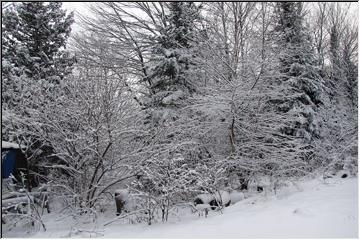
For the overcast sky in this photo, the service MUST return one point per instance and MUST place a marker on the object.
(78, 8)
(82, 8)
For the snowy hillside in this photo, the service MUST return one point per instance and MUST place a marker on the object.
(312, 209)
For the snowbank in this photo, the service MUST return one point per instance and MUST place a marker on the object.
(223, 197)
(310, 209)
(236, 196)
(206, 198)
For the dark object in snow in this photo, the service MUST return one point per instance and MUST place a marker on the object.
(198, 201)
(243, 184)
(119, 206)
(260, 189)
(121, 197)
(213, 201)
(343, 174)
(13, 162)
(215, 204)
(201, 200)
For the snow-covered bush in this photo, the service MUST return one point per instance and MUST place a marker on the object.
(204, 198)
(218, 199)
(259, 184)
(203, 209)
(177, 105)
(236, 196)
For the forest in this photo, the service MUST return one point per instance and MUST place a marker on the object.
(166, 102)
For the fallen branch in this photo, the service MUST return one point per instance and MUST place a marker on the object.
(6, 203)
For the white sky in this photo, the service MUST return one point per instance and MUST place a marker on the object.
(78, 8)
(82, 8)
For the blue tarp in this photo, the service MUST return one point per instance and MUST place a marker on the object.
(7, 163)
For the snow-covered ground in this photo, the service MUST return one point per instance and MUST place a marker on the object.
(312, 209)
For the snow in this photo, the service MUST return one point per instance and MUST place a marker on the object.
(5, 144)
(201, 207)
(343, 174)
(173, 97)
(122, 194)
(205, 197)
(223, 197)
(308, 209)
(236, 196)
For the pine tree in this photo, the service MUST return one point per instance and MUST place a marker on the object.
(172, 81)
(34, 59)
(174, 53)
(34, 38)
(300, 74)
(298, 84)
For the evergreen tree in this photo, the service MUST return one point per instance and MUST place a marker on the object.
(299, 73)
(173, 79)
(298, 85)
(174, 52)
(34, 59)
(34, 38)
(34, 63)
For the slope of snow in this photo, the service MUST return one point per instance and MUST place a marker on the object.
(318, 211)
(311, 209)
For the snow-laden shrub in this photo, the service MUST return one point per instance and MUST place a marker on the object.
(204, 198)
(259, 184)
(236, 196)
(223, 198)
(218, 199)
